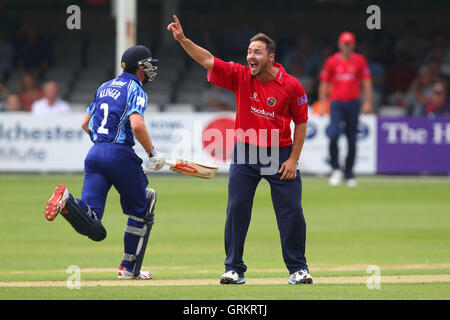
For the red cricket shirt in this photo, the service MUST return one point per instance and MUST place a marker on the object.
(345, 76)
(262, 107)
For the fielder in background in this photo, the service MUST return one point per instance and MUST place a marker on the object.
(267, 99)
(113, 120)
(341, 79)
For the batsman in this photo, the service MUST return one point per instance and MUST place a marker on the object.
(113, 120)
(267, 99)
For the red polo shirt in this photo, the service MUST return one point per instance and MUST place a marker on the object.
(262, 107)
(345, 76)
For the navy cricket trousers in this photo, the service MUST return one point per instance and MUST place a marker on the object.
(112, 164)
(286, 198)
(346, 112)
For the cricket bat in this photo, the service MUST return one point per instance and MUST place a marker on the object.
(192, 168)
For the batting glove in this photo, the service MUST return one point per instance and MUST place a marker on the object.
(156, 160)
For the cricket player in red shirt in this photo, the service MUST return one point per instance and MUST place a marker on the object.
(341, 77)
(267, 99)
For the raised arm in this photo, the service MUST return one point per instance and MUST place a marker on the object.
(199, 54)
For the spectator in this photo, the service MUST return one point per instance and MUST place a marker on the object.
(217, 98)
(420, 91)
(50, 103)
(30, 92)
(13, 103)
(439, 104)
(6, 57)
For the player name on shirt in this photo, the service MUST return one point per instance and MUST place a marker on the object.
(109, 92)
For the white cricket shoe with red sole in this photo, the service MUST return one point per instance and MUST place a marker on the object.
(56, 204)
(125, 274)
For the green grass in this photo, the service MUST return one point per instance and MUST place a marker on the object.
(385, 221)
(434, 291)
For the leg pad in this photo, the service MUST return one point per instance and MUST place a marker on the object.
(85, 223)
(149, 219)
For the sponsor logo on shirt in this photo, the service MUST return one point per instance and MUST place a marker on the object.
(117, 83)
(254, 97)
(302, 100)
(345, 77)
(262, 112)
(140, 101)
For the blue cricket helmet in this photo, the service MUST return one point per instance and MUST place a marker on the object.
(139, 56)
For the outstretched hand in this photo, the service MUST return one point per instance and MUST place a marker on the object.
(199, 54)
(176, 29)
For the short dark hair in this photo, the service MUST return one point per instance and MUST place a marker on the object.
(270, 44)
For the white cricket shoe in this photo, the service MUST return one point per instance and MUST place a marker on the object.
(300, 277)
(125, 274)
(231, 277)
(335, 178)
(352, 183)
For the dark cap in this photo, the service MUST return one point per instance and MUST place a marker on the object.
(133, 55)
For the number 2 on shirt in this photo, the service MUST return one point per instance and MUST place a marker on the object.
(102, 129)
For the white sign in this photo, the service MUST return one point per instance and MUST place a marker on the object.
(42, 143)
(315, 155)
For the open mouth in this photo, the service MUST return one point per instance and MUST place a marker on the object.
(253, 65)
